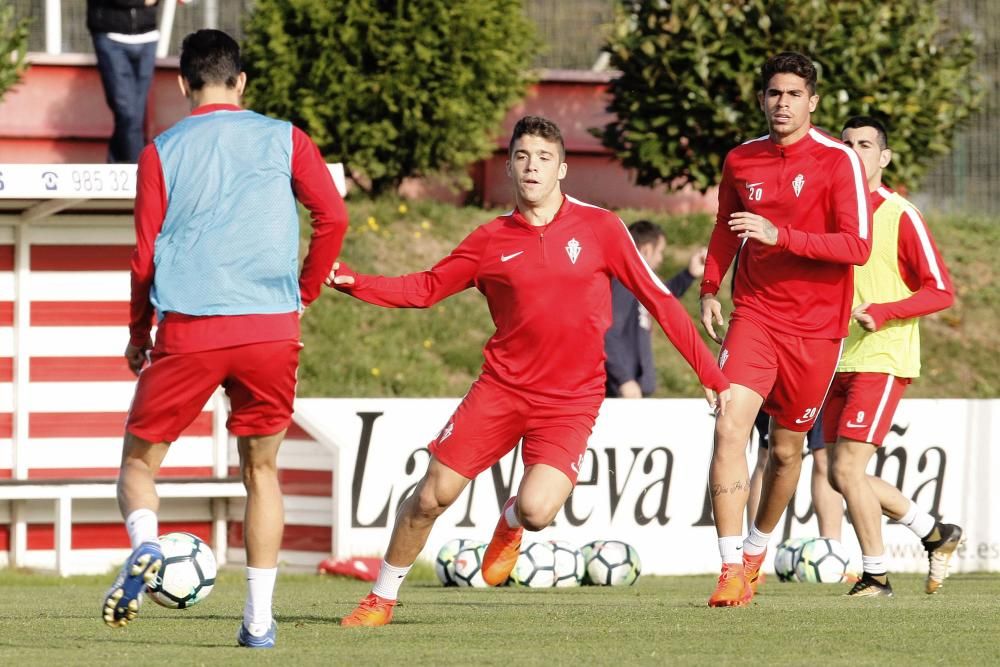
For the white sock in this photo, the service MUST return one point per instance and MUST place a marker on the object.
(756, 542)
(510, 516)
(390, 578)
(874, 565)
(917, 520)
(142, 526)
(731, 549)
(260, 589)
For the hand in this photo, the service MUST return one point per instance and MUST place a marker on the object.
(696, 265)
(333, 279)
(137, 356)
(711, 314)
(630, 389)
(752, 226)
(717, 401)
(866, 321)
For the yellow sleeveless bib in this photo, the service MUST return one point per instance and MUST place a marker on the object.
(895, 348)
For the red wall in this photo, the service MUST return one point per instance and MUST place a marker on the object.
(58, 114)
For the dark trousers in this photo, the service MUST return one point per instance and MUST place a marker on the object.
(126, 72)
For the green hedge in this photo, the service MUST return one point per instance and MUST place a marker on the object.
(390, 89)
(690, 75)
(13, 47)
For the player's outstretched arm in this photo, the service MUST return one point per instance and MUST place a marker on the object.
(452, 274)
(626, 264)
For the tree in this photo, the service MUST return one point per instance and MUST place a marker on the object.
(391, 88)
(13, 47)
(690, 72)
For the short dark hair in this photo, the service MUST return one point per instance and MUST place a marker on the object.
(537, 126)
(210, 57)
(869, 121)
(644, 231)
(789, 62)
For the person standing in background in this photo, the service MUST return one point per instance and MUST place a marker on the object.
(125, 35)
(628, 344)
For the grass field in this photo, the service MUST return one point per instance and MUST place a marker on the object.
(660, 620)
(354, 349)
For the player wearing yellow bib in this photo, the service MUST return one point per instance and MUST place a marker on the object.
(904, 279)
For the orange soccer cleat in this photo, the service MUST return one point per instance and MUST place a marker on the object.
(751, 572)
(732, 589)
(371, 612)
(502, 551)
(757, 586)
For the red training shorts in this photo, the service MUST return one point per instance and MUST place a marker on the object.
(860, 406)
(259, 380)
(792, 373)
(491, 419)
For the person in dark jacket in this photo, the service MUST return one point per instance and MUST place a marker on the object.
(628, 344)
(125, 35)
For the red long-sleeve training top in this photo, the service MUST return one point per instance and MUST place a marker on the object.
(549, 293)
(920, 265)
(176, 333)
(814, 191)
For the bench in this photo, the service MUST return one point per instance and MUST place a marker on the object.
(64, 491)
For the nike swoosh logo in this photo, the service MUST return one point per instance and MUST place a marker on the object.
(507, 258)
(802, 421)
(851, 424)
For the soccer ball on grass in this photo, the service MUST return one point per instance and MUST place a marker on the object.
(468, 566)
(568, 564)
(786, 556)
(187, 574)
(613, 563)
(535, 567)
(822, 560)
(444, 564)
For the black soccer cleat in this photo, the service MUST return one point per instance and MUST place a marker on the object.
(939, 553)
(870, 587)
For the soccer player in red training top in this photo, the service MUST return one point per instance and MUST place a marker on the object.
(217, 242)
(904, 279)
(794, 204)
(545, 269)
